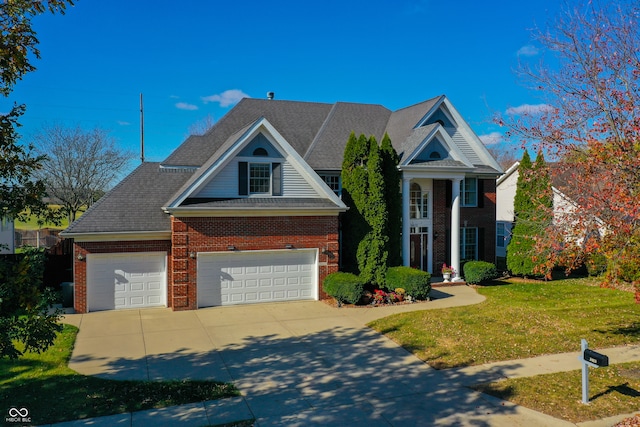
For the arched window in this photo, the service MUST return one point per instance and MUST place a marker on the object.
(260, 152)
(419, 206)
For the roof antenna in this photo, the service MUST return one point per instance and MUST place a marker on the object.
(141, 130)
(270, 95)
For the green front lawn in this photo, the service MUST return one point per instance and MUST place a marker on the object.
(52, 392)
(518, 320)
(612, 390)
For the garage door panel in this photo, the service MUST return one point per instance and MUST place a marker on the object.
(232, 278)
(127, 280)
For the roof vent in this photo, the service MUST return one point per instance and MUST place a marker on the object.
(270, 95)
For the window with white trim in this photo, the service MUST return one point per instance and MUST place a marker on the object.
(469, 243)
(469, 192)
(419, 202)
(259, 178)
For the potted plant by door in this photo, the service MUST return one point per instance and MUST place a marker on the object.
(447, 271)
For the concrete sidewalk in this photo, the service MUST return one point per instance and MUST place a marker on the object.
(301, 364)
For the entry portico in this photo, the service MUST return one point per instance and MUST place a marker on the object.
(417, 220)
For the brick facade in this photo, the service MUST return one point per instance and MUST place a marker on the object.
(482, 217)
(192, 235)
(82, 249)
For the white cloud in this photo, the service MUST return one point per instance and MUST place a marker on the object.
(123, 123)
(528, 50)
(529, 109)
(491, 138)
(186, 106)
(226, 98)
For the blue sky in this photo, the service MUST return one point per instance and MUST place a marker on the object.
(191, 59)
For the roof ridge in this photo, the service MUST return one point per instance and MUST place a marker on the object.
(320, 131)
(418, 103)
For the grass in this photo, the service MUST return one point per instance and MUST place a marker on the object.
(612, 390)
(32, 223)
(521, 320)
(52, 392)
(518, 320)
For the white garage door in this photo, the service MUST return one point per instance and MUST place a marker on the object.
(229, 278)
(126, 280)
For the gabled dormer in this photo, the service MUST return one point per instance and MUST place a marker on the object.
(432, 146)
(255, 168)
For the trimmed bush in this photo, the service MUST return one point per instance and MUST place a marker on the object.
(476, 272)
(344, 287)
(416, 283)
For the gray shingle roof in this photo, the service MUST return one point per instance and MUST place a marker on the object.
(317, 131)
(325, 152)
(134, 204)
(402, 122)
(298, 122)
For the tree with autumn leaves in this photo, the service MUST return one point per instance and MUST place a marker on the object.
(591, 125)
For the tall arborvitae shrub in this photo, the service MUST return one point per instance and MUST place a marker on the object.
(393, 199)
(532, 207)
(373, 249)
(354, 180)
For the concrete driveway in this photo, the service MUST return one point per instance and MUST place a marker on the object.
(296, 364)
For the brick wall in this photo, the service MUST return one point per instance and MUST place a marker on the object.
(193, 235)
(85, 248)
(483, 217)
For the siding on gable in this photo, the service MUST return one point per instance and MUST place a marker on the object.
(464, 146)
(294, 184)
(225, 183)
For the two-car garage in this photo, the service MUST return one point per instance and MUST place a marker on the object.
(137, 280)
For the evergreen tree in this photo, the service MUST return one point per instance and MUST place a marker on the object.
(532, 207)
(373, 249)
(354, 225)
(393, 199)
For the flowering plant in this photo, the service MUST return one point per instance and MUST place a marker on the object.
(447, 269)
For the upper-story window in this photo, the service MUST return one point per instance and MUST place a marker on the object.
(260, 152)
(469, 192)
(259, 178)
(333, 181)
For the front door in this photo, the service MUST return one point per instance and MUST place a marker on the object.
(419, 247)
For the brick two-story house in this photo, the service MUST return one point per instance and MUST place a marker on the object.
(250, 211)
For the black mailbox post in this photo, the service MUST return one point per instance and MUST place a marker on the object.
(593, 359)
(596, 358)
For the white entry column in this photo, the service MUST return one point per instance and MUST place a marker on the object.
(455, 227)
(406, 230)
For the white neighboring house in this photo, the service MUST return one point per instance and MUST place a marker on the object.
(564, 209)
(7, 235)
